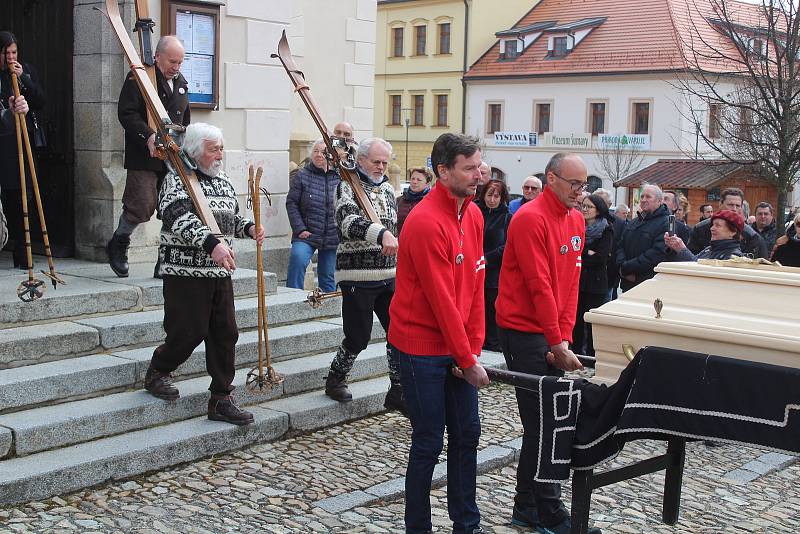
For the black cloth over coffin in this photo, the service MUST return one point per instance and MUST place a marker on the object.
(663, 393)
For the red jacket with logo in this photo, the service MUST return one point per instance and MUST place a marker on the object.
(437, 308)
(541, 269)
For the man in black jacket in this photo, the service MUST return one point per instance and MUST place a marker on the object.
(145, 171)
(752, 244)
(765, 225)
(641, 246)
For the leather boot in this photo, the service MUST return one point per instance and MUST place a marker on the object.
(117, 251)
(395, 400)
(160, 384)
(224, 408)
(336, 387)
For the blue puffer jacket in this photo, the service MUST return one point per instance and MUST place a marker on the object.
(310, 205)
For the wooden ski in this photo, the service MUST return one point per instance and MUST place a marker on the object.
(144, 27)
(175, 157)
(342, 159)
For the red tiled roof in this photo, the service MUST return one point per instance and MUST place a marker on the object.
(648, 35)
(683, 173)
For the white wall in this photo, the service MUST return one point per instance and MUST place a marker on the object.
(672, 136)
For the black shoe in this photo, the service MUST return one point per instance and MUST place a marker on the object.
(525, 516)
(160, 384)
(225, 409)
(157, 269)
(336, 387)
(395, 400)
(564, 528)
(117, 251)
(712, 444)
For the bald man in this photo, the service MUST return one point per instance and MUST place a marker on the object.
(145, 171)
(345, 130)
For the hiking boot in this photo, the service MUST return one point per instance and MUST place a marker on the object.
(525, 516)
(336, 387)
(117, 251)
(225, 409)
(395, 400)
(564, 528)
(160, 384)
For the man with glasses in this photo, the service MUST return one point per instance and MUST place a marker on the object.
(366, 259)
(641, 246)
(536, 305)
(531, 188)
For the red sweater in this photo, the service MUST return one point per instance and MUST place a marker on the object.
(541, 269)
(437, 308)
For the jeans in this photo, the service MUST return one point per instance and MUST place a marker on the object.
(299, 260)
(436, 399)
(526, 352)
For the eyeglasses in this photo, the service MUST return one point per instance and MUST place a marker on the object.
(575, 185)
(531, 187)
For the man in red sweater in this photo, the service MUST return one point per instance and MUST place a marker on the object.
(536, 305)
(436, 325)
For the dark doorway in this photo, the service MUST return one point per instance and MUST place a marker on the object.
(44, 31)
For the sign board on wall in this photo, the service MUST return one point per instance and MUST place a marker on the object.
(569, 141)
(638, 141)
(516, 139)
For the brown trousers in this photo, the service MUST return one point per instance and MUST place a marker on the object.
(140, 198)
(197, 310)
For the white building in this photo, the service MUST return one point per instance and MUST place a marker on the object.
(574, 76)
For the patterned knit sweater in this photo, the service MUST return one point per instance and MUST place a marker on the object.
(186, 243)
(358, 256)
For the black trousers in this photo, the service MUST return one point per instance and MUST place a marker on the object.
(582, 342)
(526, 353)
(491, 341)
(358, 304)
(197, 310)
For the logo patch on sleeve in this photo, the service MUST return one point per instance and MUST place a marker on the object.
(576, 243)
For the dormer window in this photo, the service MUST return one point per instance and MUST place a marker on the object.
(512, 49)
(757, 47)
(560, 46)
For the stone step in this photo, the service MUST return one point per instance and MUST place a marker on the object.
(66, 424)
(92, 289)
(285, 306)
(58, 471)
(95, 374)
(26, 345)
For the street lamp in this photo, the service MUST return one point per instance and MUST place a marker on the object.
(407, 122)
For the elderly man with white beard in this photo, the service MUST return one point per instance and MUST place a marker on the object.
(196, 266)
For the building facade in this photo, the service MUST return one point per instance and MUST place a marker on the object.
(596, 78)
(422, 50)
(263, 121)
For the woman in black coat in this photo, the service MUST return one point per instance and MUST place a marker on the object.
(493, 203)
(31, 89)
(593, 290)
(419, 185)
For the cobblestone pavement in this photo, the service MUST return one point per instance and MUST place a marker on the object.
(272, 488)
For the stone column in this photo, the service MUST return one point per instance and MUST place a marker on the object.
(99, 70)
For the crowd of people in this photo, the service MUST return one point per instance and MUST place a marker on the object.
(451, 267)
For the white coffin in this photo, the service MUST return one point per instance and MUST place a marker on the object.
(744, 312)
